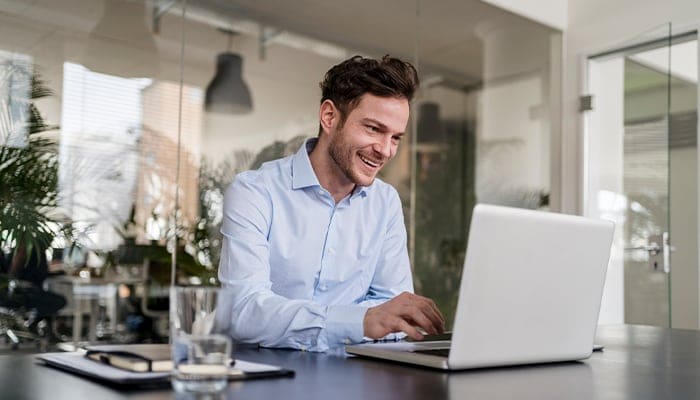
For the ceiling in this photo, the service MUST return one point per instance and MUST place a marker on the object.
(447, 31)
(446, 37)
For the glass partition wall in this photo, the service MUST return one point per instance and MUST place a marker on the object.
(138, 142)
(641, 171)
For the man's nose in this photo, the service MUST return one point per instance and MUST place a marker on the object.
(384, 147)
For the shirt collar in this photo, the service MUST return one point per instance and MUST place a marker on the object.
(360, 191)
(303, 174)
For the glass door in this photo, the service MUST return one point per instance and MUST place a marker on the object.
(640, 154)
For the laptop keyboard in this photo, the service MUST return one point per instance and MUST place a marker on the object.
(435, 352)
(433, 338)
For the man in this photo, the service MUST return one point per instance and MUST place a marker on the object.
(314, 252)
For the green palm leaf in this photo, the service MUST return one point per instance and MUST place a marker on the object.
(28, 164)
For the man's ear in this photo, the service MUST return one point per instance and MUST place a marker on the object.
(328, 116)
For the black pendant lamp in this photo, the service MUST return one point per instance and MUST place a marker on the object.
(227, 93)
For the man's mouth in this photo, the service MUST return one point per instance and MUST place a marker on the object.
(370, 163)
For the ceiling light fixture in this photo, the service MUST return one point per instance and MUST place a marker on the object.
(121, 43)
(227, 93)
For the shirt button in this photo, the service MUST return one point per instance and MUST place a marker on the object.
(331, 250)
(323, 288)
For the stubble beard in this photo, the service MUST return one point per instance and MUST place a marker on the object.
(342, 155)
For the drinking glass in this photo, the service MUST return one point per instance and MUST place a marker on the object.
(201, 357)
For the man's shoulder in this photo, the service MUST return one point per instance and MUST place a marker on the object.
(383, 196)
(383, 190)
(268, 172)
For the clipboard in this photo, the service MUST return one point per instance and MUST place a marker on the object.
(76, 363)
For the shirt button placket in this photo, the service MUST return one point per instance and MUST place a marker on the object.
(328, 252)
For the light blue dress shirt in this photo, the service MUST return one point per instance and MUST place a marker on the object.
(300, 271)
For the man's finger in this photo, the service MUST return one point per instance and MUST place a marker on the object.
(417, 317)
(436, 316)
(421, 314)
(408, 329)
(430, 310)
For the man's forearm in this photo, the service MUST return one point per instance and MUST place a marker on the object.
(257, 315)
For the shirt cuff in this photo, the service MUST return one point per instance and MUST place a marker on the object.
(345, 324)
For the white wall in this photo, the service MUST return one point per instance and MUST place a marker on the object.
(605, 182)
(513, 123)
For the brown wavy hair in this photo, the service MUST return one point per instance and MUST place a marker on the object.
(345, 83)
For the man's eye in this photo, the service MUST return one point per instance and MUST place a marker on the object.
(372, 128)
(396, 138)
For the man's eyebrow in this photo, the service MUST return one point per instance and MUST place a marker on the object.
(382, 127)
(375, 122)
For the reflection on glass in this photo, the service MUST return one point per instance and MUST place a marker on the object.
(553, 381)
(125, 100)
(29, 214)
(16, 73)
(641, 168)
(483, 137)
(101, 127)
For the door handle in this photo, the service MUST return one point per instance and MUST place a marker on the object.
(653, 249)
(659, 250)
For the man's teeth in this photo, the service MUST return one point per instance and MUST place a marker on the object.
(370, 163)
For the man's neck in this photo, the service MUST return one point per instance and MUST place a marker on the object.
(329, 175)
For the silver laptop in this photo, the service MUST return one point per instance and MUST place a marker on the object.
(530, 293)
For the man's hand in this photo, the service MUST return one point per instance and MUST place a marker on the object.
(404, 313)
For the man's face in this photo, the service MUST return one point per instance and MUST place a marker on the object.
(369, 137)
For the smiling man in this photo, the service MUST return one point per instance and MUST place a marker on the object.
(314, 252)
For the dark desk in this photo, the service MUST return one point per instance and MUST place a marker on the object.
(639, 362)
